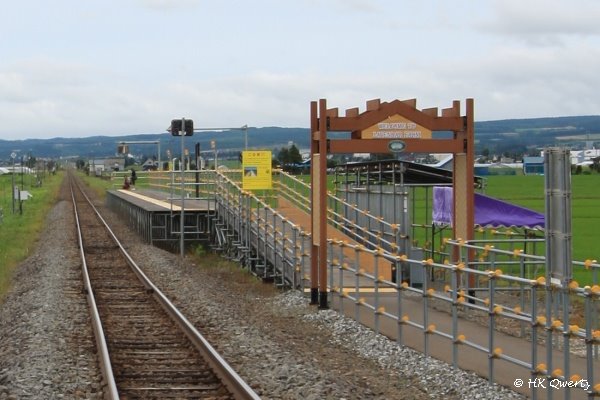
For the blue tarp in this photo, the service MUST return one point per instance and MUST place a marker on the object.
(489, 212)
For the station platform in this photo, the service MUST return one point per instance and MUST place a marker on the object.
(156, 215)
(157, 201)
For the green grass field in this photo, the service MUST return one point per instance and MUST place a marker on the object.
(19, 233)
(528, 191)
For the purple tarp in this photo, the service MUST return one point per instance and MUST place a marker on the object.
(489, 212)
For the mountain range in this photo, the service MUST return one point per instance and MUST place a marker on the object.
(515, 136)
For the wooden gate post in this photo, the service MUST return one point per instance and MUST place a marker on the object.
(373, 131)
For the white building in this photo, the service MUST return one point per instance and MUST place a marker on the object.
(584, 157)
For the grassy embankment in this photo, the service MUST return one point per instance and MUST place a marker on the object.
(20, 233)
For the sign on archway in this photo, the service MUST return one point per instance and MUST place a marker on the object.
(387, 128)
(395, 127)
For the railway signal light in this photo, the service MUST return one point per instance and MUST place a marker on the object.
(176, 127)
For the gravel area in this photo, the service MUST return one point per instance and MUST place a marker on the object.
(47, 350)
(283, 347)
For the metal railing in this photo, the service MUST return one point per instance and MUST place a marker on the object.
(505, 289)
(541, 310)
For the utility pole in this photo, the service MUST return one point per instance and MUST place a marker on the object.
(182, 127)
(13, 155)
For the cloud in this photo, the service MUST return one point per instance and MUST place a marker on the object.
(543, 22)
(48, 98)
(133, 80)
(164, 5)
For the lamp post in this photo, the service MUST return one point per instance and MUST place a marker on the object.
(245, 129)
(156, 142)
(182, 127)
(13, 155)
(181, 167)
(22, 185)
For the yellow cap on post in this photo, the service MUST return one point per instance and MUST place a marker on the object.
(540, 368)
(557, 372)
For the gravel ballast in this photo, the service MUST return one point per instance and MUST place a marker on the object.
(284, 348)
(47, 350)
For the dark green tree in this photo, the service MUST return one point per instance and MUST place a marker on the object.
(31, 162)
(284, 156)
(294, 155)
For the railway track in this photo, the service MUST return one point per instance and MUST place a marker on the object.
(147, 348)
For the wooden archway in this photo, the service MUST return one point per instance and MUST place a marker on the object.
(372, 131)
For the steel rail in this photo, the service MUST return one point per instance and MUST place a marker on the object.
(103, 356)
(236, 385)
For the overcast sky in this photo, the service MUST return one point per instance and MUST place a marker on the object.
(75, 68)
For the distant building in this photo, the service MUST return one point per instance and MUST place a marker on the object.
(100, 165)
(584, 157)
(533, 165)
(17, 169)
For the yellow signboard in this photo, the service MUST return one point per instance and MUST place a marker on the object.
(396, 127)
(256, 170)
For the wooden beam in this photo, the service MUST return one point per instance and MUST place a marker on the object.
(314, 148)
(432, 112)
(453, 111)
(378, 111)
(373, 105)
(363, 121)
(449, 112)
(410, 102)
(332, 112)
(348, 146)
(352, 112)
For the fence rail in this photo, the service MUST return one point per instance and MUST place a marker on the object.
(491, 279)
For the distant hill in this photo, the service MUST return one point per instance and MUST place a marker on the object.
(103, 146)
(511, 135)
(517, 135)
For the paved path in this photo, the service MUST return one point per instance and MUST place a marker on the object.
(366, 260)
